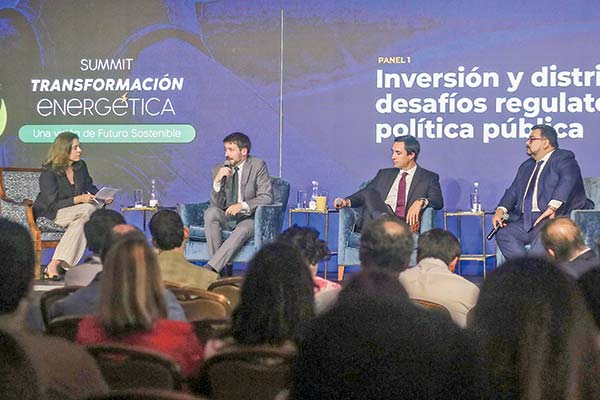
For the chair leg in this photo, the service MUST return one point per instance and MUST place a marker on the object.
(38, 263)
(229, 269)
(341, 272)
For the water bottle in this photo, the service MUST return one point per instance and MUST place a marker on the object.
(475, 199)
(313, 197)
(153, 202)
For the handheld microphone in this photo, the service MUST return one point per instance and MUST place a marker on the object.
(496, 228)
(227, 164)
(338, 202)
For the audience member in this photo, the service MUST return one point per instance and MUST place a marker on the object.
(64, 369)
(313, 250)
(169, 236)
(276, 300)
(96, 229)
(85, 301)
(133, 310)
(589, 283)
(433, 278)
(537, 339)
(563, 241)
(375, 344)
(18, 378)
(386, 244)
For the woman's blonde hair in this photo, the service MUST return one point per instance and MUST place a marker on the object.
(132, 295)
(58, 154)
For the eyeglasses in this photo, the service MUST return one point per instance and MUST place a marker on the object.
(531, 139)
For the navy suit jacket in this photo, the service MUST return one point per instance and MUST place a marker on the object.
(425, 185)
(560, 180)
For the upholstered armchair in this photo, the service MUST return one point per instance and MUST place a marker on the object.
(18, 188)
(588, 220)
(349, 240)
(268, 221)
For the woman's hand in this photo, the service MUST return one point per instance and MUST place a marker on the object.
(84, 199)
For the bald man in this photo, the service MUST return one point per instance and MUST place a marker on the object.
(563, 241)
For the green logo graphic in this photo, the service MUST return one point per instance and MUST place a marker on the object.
(3, 117)
(111, 133)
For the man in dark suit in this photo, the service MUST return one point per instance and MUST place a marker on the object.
(548, 184)
(239, 187)
(405, 190)
(563, 241)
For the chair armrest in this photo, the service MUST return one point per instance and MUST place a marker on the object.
(589, 223)
(268, 220)
(21, 213)
(428, 219)
(193, 213)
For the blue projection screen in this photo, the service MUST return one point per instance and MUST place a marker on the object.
(321, 87)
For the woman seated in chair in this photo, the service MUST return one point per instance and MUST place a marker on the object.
(276, 301)
(67, 198)
(537, 339)
(133, 309)
(313, 250)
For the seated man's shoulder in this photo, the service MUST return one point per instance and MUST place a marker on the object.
(428, 172)
(82, 301)
(563, 154)
(176, 268)
(467, 283)
(410, 274)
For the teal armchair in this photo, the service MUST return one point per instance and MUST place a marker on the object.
(268, 221)
(349, 240)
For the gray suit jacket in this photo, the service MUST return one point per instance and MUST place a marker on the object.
(256, 186)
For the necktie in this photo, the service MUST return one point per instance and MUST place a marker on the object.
(401, 200)
(528, 199)
(234, 185)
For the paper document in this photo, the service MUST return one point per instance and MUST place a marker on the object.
(106, 193)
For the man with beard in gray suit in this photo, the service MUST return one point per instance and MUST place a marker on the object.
(239, 186)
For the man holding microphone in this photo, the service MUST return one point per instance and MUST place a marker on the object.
(240, 184)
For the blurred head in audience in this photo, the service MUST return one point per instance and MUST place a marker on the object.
(116, 234)
(131, 298)
(589, 283)
(439, 244)
(562, 239)
(17, 263)
(276, 298)
(167, 230)
(306, 241)
(96, 229)
(18, 377)
(375, 344)
(386, 243)
(536, 336)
